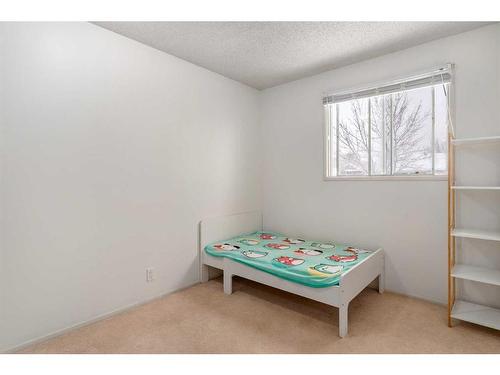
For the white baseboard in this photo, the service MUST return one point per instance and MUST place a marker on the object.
(62, 331)
(417, 296)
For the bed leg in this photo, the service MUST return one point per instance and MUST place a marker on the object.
(381, 277)
(204, 273)
(228, 283)
(343, 310)
(381, 282)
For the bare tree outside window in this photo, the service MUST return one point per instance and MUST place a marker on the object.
(353, 137)
(395, 134)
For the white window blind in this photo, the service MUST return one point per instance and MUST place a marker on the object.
(440, 75)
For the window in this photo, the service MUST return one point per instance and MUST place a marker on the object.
(399, 129)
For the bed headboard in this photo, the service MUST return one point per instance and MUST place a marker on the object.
(223, 227)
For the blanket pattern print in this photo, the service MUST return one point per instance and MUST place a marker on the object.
(311, 263)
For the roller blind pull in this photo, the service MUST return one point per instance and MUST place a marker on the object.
(431, 78)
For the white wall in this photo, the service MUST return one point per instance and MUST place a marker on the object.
(407, 218)
(111, 153)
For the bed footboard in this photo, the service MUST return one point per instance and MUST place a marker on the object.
(357, 279)
(361, 275)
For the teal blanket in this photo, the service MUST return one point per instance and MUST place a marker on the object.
(311, 263)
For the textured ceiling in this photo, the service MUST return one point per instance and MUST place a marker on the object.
(266, 54)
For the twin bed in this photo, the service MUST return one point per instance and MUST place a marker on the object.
(324, 271)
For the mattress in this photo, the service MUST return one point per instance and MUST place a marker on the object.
(312, 263)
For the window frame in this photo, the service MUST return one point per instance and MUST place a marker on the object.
(401, 177)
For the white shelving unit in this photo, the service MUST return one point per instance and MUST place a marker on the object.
(478, 314)
(476, 187)
(475, 141)
(459, 309)
(474, 273)
(477, 234)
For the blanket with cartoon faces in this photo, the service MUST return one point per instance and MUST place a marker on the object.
(311, 263)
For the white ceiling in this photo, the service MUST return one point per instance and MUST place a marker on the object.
(266, 54)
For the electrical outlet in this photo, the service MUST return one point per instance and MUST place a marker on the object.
(149, 275)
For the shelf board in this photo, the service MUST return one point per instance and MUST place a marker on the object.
(478, 234)
(475, 141)
(475, 187)
(473, 273)
(478, 314)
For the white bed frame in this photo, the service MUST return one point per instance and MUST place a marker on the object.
(351, 283)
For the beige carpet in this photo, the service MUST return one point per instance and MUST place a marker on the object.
(259, 319)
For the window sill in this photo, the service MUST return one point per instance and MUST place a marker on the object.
(388, 178)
